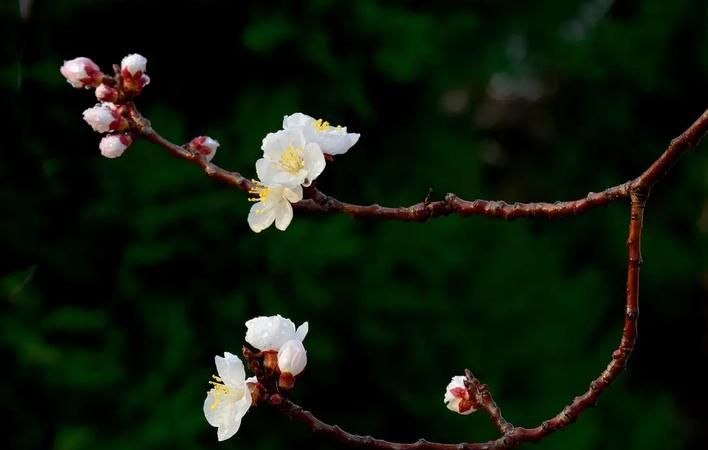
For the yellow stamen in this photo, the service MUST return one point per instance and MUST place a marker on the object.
(218, 390)
(260, 191)
(321, 125)
(291, 160)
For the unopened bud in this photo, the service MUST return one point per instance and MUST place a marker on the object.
(457, 397)
(292, 357)
(106, 93)
(132, 69)
(205, 146)
(113, 146)
(105, 117)
(81, 73)
(276, 399)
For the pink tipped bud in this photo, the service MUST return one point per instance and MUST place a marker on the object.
(133, 64)
(104, 118)
(457, 397)
(81, 73)
(112, 146)
(106, 93)
(205, 146)
(132, 69)
(292, 357)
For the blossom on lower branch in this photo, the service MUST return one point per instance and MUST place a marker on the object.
(229, 398)
(273, 204)
(270, 333)
(457, 396)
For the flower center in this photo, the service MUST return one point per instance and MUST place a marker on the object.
(220, 391)
(260, 192)
(291, 160)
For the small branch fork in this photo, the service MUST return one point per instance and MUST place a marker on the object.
(636, 191)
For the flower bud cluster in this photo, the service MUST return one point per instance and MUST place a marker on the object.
(110, 115)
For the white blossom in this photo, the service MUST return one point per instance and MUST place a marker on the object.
(292, 357)
(229, 398)
(457, 397)
(273, 204)
(289, 160)
(333, 140)
(81, 72)
(133, 64)
(269, 333)
(113, 146)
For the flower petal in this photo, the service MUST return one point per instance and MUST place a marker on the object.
(293, 195)
(297, 120)
(302, 331)
(283, 216)
(260, 218)
(230, 369)
(314, 162)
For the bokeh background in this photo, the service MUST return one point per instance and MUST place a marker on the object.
(121, 279)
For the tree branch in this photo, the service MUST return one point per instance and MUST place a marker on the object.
(513, 436)
(637, 190)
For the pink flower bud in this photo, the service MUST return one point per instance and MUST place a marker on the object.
(292, 357)
(106, 93)
(205, 146)
(113, 145)
(133, 64)
(457, 397)
(105, 117)
(81, 73)
(132, 69)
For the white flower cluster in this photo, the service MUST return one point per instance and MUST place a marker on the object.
(292, 159)
(230, 396)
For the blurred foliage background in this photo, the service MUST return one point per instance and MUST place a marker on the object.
(121, 279)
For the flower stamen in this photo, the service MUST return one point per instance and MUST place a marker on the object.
(218, 391)
(321, 125)
(260, 192)
(291, 160)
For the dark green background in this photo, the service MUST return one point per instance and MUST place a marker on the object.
(121, 279)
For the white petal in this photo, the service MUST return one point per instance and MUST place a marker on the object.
(297, 120)
(287, 179)
(260, 218)
(230, 369)
(213, 415)
(302, 331)
(293, 195)
(228, 429)
(272, 145)
(314, 162)
(266, 170)
(283, 216)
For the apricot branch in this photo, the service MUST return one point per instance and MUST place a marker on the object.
(293, 158)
